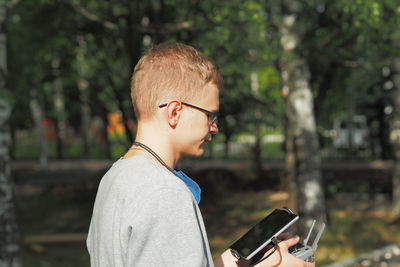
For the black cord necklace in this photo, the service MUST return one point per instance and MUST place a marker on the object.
(192, 185)
(154, 154)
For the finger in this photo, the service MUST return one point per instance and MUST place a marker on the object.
(290, 242)
(284, 236)
(309, 264)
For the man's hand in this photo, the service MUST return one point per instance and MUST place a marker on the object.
(281, 257)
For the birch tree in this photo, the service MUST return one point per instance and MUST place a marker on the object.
(303, 163)
(9, 239)
(37, 115)
(83, 86)
(59, 108)
(395, 129)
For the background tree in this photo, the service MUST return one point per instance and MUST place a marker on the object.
(9, 242)
(395, 133)
(302, 146)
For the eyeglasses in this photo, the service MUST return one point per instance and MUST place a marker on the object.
(212, 116)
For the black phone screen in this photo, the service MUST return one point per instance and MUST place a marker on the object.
(262, 233)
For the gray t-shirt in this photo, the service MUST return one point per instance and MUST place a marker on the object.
(146, 216)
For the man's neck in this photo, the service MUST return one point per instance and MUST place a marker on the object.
(150, 135)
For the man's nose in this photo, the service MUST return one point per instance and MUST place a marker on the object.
(214, 128)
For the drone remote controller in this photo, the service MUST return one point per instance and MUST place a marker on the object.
(306, 252)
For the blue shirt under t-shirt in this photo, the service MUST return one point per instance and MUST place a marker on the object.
(192, 185)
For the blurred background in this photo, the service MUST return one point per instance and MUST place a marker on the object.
(310, 118)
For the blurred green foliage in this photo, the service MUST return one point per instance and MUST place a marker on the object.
(348, 46)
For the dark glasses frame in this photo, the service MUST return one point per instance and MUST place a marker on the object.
(212, 116)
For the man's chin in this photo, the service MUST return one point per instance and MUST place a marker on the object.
(197, 153)
(200, 152)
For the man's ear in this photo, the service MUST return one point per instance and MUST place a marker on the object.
(173, 112)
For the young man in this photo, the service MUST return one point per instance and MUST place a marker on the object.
(146, 213)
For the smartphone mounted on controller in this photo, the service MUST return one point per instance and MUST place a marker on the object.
(254, 244)
(264, 235)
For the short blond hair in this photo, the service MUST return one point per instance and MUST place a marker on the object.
(170, 71)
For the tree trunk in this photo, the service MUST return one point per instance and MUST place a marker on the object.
(12, 145)
(9, 241)
(289, 180)
(85, 117)
(59, 109)
(350, 122)
(257, 149)
(303, 157)
(395, 135)
(37, 115)
(9, 237)
(383, 131)
(107, 142)
(83, 87)
(227, 140)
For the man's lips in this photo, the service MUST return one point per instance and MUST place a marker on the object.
(207, 140)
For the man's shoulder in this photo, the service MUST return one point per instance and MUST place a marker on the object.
(143, 174)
